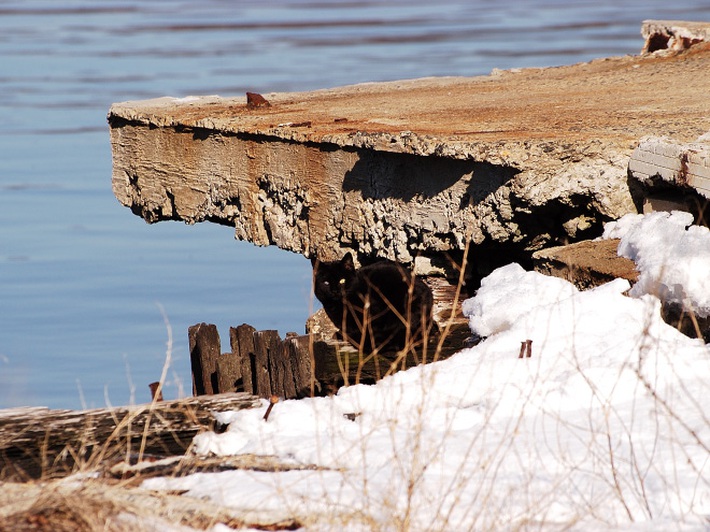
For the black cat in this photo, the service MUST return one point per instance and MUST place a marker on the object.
(381, 307)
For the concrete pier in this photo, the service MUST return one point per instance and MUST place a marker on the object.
(510, 162)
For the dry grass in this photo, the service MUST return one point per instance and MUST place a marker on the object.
(89, 505)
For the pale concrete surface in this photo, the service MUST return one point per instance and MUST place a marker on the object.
(511, 162)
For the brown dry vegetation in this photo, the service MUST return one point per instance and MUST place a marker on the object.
(98, 504)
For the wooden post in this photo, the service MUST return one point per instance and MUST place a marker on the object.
(281, 360)
(229, 373)
(269, 359)
(204, 352)
(298, 351)
(263, 364)
(242, 340)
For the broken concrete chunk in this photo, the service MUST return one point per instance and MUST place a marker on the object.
(676, 163)
(673, 34)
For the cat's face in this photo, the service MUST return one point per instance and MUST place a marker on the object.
(332, 279)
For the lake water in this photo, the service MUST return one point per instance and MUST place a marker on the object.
(88, 291)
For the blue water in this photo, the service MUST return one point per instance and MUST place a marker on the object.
(89, 293)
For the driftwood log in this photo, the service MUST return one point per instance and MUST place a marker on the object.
(44, 443)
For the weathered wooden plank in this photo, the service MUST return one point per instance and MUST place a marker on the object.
(229, 373)
(298, 350)
(38, 442)
(258, 363)
(269, 361)
(244, 351)
(315, 364)
(290, 370)
(204, 351)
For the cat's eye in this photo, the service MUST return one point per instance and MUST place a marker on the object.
(342, 281)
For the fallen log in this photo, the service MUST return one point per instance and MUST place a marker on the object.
(44, 443)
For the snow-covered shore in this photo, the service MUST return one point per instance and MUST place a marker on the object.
(603, 427)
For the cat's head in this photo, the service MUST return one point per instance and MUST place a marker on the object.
(332, 279)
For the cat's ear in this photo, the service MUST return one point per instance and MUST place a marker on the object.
(347, 262)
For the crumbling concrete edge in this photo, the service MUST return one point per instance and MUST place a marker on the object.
(673, 35)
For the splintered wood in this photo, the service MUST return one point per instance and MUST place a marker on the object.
(263, 364)
(259, 363)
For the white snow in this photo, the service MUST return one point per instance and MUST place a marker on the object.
(603, 427)
(672, 255)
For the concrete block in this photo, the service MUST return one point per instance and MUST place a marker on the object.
(673, 35)
(684, 164)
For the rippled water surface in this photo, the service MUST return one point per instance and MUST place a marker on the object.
(88, 291)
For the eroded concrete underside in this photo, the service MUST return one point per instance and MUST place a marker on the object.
(511, 162)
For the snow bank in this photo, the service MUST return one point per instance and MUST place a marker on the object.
(672, 256)
(604, 427)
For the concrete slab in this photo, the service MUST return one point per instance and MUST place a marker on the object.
(510, 162)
